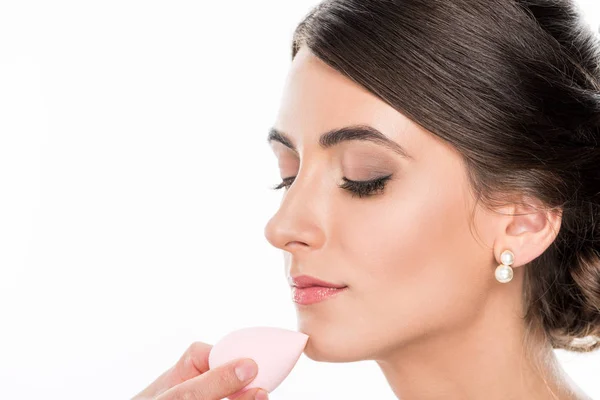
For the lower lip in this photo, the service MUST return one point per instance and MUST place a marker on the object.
(314, 294)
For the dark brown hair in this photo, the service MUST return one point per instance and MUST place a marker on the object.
(514, 86)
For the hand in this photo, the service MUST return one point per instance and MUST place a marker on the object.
(191, 379)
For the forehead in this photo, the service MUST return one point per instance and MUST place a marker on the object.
(317, 98)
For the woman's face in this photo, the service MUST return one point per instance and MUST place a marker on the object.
(412, 265)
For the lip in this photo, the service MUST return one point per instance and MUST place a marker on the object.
(314, 294)
(307, 289)
(307, 281)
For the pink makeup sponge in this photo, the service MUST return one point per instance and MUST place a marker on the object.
(275, 350)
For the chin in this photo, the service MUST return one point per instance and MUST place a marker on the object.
(337, 342)
(335, 346)
(327, 351)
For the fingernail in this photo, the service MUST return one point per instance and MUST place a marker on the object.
(261, 395)
(245, 370)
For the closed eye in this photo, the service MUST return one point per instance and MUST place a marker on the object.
(356, 188)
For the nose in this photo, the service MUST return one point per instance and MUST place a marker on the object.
(297, 224)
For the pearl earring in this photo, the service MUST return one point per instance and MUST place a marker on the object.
(504, 273)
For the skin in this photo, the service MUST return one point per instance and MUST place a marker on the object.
(191, 379)
(418, 259)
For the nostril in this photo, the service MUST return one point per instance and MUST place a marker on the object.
(295, 245)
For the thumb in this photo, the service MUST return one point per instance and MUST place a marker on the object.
(215, 384)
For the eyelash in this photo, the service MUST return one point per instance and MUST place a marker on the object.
(356, 188)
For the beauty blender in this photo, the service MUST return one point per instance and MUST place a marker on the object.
(274, 350)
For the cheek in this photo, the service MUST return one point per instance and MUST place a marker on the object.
(413, 257)
(406, 240)
(405, 259)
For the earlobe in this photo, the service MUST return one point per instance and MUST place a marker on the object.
(531, 228)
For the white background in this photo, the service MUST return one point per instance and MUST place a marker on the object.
(134, 190)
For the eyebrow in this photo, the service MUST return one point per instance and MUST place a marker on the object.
(347, 133)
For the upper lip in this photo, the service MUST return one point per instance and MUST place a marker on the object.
(302, 281)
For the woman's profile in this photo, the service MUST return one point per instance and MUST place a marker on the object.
(440, 165)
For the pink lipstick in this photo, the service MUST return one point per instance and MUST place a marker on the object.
(309, 290)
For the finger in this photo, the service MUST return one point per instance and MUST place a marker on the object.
(216, 383)
(253, 394)
(158, 386)
(193, 362)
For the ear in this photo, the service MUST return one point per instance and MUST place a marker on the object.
(527, 230)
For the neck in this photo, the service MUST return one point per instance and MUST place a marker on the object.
(491, 358)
